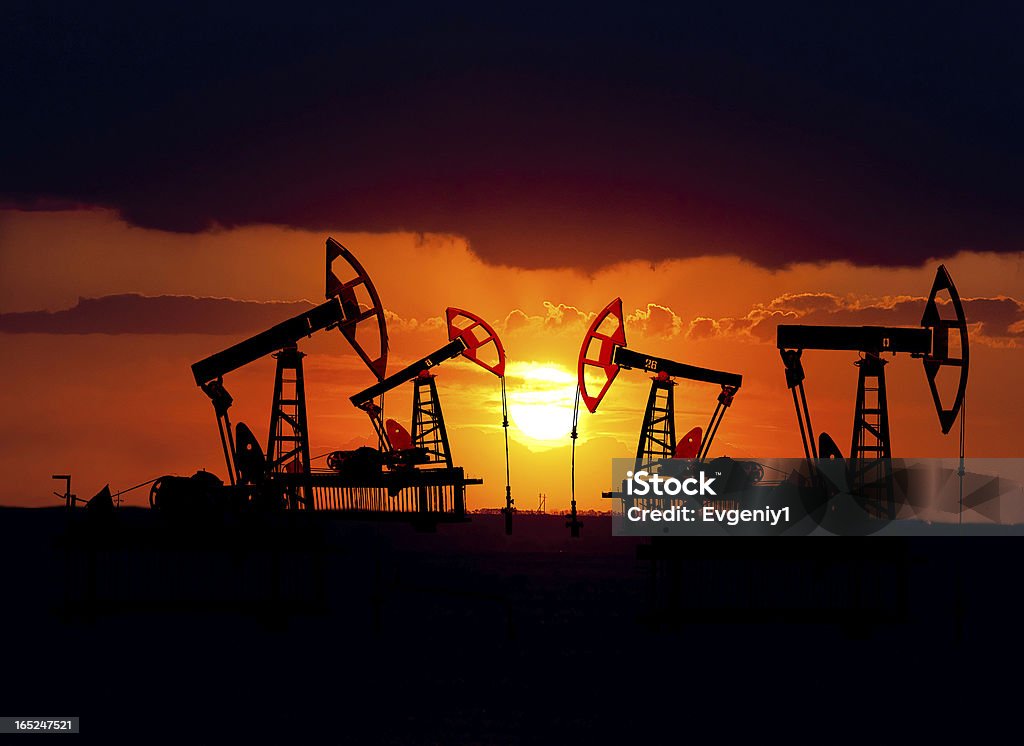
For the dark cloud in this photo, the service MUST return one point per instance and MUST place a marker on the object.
(999, 317)
(163, 314)
(548, 136)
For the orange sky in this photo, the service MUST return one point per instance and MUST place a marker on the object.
(124, 408)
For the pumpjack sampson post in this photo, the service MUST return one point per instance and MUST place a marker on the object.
(870, 465)
(604, 353)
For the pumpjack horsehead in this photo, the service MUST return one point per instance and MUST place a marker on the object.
(427, 444)
(604, 353)
(934, 342)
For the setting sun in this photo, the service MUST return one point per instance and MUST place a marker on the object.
(540, 402)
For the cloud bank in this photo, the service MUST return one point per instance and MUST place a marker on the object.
(165, 314)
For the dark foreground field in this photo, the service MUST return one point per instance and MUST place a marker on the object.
(298, 630)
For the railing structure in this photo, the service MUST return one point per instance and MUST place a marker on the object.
(438, 495)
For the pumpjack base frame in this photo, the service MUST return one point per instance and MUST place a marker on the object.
(420, 496)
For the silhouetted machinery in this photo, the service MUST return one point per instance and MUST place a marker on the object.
(870, 466)
(409, 477)
(426, 449)
(604, 353)
(101, 502)
(282, 475)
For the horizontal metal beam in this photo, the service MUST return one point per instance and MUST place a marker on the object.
(275, 338)
(874, 339)
(450, 350)
(627, 358)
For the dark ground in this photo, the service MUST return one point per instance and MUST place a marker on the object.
(320, 631)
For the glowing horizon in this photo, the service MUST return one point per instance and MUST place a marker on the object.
(121, 407)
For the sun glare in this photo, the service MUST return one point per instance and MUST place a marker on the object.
(540, 401)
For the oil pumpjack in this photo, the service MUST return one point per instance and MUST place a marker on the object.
(870, 465)
(426, 448)
(412, 477)
(282, 476)
(604, 353)
(366, 483)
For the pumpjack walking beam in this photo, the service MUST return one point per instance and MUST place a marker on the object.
(658, 434)
(449, 351)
